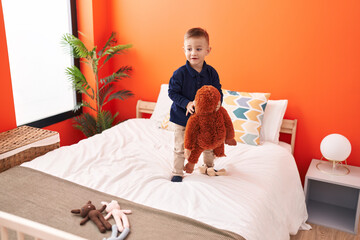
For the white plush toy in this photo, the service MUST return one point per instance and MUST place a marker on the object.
(121, 220)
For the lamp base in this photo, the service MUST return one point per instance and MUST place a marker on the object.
(333, 168)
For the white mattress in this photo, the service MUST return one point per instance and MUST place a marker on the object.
(260, 198)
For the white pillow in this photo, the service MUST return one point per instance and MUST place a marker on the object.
(273, 116)
(163, 104)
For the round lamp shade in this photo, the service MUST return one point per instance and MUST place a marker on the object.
(335, 147)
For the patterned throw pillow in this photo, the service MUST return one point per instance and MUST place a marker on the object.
(246, 111)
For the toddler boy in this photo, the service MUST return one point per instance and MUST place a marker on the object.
(183, 86)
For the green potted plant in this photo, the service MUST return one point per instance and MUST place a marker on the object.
(104, 90)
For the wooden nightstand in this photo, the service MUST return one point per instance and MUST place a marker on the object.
(333, 201)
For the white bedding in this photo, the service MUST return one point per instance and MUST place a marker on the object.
(261, 198)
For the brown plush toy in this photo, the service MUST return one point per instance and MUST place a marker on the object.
(89, 212)
(208, 128)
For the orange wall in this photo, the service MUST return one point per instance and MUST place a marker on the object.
(305, 51)
(7, 110)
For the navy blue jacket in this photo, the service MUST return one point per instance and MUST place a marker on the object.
(183, 86)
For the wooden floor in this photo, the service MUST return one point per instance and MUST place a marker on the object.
(323, 233)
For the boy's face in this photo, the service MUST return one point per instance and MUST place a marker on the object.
(196, 49)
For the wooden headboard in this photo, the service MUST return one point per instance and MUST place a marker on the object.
(288, 126)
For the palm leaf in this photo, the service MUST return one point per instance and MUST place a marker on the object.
(121, 95)
(105, 120)
(124, 69)
(84, 104)
(115, 50)
(104, 93)
(120, 73)
(94, 65)
(112, 79)
(77, 47)
(86, 123)
(109, 42)
(87, 104)
(79, 81)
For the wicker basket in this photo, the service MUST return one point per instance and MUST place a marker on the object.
(20, 137)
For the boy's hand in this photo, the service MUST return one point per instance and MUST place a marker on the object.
(190, 108)
(218, 106)
(187, 153)
(189, 167)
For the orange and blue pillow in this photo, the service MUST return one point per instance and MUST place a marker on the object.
(246, 111)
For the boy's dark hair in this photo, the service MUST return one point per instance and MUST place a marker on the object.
(197, 32)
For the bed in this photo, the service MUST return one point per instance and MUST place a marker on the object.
(260, 198)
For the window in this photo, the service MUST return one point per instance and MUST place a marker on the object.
(42, 93)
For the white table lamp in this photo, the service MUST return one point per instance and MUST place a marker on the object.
(335, 148)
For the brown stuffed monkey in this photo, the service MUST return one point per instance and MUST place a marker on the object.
(208, 128)
(89, 212)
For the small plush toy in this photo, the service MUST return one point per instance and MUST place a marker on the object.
(121, 220)
(208, 128)
(114, 232)
(89, 212)
(211, 171)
